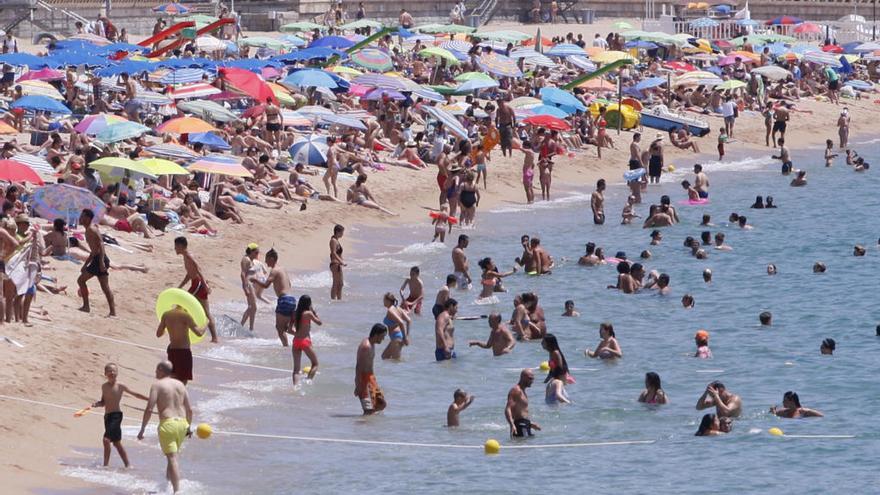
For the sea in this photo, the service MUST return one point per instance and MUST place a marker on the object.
(270, 438)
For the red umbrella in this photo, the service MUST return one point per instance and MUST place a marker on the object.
(808, 28)
(723, 44)
(13, 171)
(832, 49)
(248, 83)
(254, 111)
(544, 42)
(548, 122)
(679, 66)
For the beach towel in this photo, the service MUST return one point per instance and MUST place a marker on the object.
(23, 268)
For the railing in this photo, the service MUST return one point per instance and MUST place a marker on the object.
(18, 20)
(484, 11)
(842, 31)
(70, 15)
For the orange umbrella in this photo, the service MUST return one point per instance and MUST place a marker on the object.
(594, 50)
(7, 129)
(185, 125)
(744, 54)
(598, 85)
(544, 42)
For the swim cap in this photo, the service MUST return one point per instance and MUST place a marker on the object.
(702, 335)
(253, 246)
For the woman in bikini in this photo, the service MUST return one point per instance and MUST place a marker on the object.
(398, 323)
(528, 171)
(336, 262)
(557, 363)
(653, 393)
(608, 347)
(491, 278)
(247, 271)
(302, 341)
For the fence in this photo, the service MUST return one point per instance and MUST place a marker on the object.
(841, 31)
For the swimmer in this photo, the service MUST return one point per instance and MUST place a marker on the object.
(766, 318)
(759, 203)
(859, 250)
(656, 237)
(500, 339)
(653, 393)
(743, 223)
(413, 302)
(111, 400)
(556, 359)
(628, 212)
(443, 295)
(706, 237)
(706, 221)
(701, 254)
(597, 202)
(590, 258)
(768, 203)
(712, 425)
(726, 403)
(490, 279)
(625, 282)
(608, 347)
(827, 347)
(543, 261)
(398, 322)
(555, 391)
(645, 255)
(527, 259)
(702, 340)
(692, 193)
(444, 331)
(303, 318)
(719, 242)
(819, 267)
(830, 155)
(707, 276)
(771, 269)
(791, 408)
(663, 284)
(800, 180)
(517, 409)
(569, 309)
(687, 301)
(460, 401)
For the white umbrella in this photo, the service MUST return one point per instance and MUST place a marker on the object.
(772, 72)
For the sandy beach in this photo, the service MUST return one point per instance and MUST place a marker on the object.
(60, 365)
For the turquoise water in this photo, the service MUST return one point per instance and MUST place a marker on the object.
(820, 222)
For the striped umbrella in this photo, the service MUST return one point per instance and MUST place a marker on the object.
(456, 46)
(470, 76)
(209, 110)
(121, 131)
(565, 50)
(15, 171)
(344, 120)
(172, 150)
(582, 63)
(94, 124)
(475, 85)
(441, 53)
(197, 90)
(39, 165)
(373, 59)
(703, 22)
(293, 118)
(823, 58)
(40, 88)
(220, 165)
(380, 81)
(448, 120)
(66, 202)
(499, 65)
(171, 8)
(310, 151)
(310, 78)
(182, 76)
(152, 98)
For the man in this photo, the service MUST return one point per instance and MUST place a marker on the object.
(175, 416)
(701, 181)
(542, 261)
(726, 404)
(635, 152)
(286, 305)
(729, 111)
(460, 263)
(833, 84)
(96, 265)
(132, 106)
(198, 286)
(444, 330)
(500, 340)
(179, 322)
(597, 202)
(785, 157)
(365, 387)
(405, 19)
(8, 244)
(599, 41)
(10, 44)
(517, 409)
(780, 123)
(506, 123)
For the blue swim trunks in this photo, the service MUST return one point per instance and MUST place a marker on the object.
(286, 305)
(440, 354)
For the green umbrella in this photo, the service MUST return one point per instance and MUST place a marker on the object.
(505, 36)
(443, 90)
(264, 42)
(471, 76)
(296, 27)
(622, 25)
(436, 51)
(731, 84)
(201, 20)
(208, 110)
(373, 59)
(360, 24)
(443, 29)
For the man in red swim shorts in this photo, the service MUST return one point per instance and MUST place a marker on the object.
(365, 386)
(198, 286)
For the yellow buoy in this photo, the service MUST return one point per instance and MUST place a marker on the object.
(203, 431)
(776, 432)
(492, 446)
(670, 168)
(307, 369)
(545, 366)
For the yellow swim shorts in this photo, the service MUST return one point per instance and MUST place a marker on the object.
(172, 432)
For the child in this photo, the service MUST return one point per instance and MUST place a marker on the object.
(416, 292)
(111, 397)
(722, 139)
(693, 194)
(627, 212)
(442, 223)
(702, 340)
(302, 341)
(460, 401)
(443, 294)
(829, 152)
(569, 309)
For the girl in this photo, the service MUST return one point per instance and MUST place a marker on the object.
(791, 408)
(702, 341)
(608, 347)
(653, 393)
(557, 360)
(555, 392)
(442, 223)
(491, 278)
(398, 323)
(248, 270)
(692, 193)
(336, 262)
(830, 155)
(302, 341)
(545, 168)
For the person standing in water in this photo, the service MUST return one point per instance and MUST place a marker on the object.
(336, 262)
(500, 340)
(701, 181)
(460, 263)
(653, 393)
(443, 295)
(366, 389)
(460, 401)
(302, 340)
(179, 324)
(517, 409)
(198, 285)
(413, 302)
(247, 270)
(726, 404)
(444, 331)
(791, 408)
(286, 305)
(597, 203)
(398, 324)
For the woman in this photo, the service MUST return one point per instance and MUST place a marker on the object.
(358, 194)
(608, 347)
(556, 361)
(247, 271)
(712, 425)
(655, 162)
(653, 393)
(336, 262)
(302, 340)
(791, 408)
(528, 172)
(759, 203)
(490, 279)
(520, 322)
(555, 391)
(469, 197)
(398, 323)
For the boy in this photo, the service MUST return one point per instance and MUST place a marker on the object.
(416, 292)
(722, 139)
(569, 309)
(443, 294)
(460, 401)
(111, 396)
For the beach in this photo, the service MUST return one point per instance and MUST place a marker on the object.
(60, 364)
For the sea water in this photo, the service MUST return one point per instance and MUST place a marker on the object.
(820, 222)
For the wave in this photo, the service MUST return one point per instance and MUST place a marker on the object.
(562, 202)
(313, 280)
(211, 409)
(128, 482)
(742, 165)
(418, 248)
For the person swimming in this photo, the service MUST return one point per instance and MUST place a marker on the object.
(608, 347)
(653, 393)
(701, 338)
(712, 425)
(791, 408)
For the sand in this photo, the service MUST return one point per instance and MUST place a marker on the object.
(61, 366)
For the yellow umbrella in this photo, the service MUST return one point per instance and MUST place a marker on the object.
(611, 56)
(159, 166)
(283, 95)
(341, 69)
(111, 163)
(39, 88)
(7, 129)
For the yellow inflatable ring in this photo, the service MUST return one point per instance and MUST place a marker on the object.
(169, 298)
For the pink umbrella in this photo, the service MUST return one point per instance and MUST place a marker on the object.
(808, 28)
(731, 59)
(45, 74)
(270, 73)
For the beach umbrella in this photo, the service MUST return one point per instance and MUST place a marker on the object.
(121, 131)
(341, 69)
(110, 164)
(427, 93)
(66, 202)
(42, 75)
(220, 165)
(785, 20)
(113, 48)
(182, 76)
(310, 78)
(823, 58)
(209, 43)
(373, 59)
(380, 81)
(361, 24)
(703, 22)
(294, 40)
(503, 36)
(94, 124)
(172, 150)
(152, 98)
(15, 171)
(7, 129)
(598, 84)
(448, 120)
(40, 103)
(456, 46)
(295, 119)
(380, 93)
(437, 52)
(548, 110)
(611, 56)
(524, 102)
(298, 27)
(772, 72)
(158, 166)
(582, 63)
(336, 42)
(565, 50)
(548, 122)
(23, 60)
(808, 28)
(651, 82)
(344, 121)
(731, 84)
(185, 125)
(91, 38)
(171, 8)
(209, 110)
(265, 42)
(640, 45)
(471, 76)
(499, 65)
(868, 47)
(196, 90)
(832, 49)
(40, 88)
(283, 94)
(622, 25)
(461, 109)
(443, 29)
(247, 83)
(312, 150)
(475, 85)
(561, 98)
(38, 164)
(856, 83)
(747, 22)
(313, 111)
(210, 140)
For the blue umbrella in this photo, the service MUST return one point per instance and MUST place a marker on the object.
(77, 45)
(294, 40)
(251, 64)
(565, 50)
(67, 58)
(121, 131)
(310, 151)
(703, 22)
(651, 82)
(40, 103)
(561, 98)
(123, 47)
(549, 110)
(210, 140)
(310, 78)
(182, 76)
(714, 69)
(180, 63)
(336, 42)
(127, 66)
(476, 85)
(310, 54)
(643, 45)
(23, 59)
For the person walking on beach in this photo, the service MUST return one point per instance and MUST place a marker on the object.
(175, 416)
(286, 304)
(780, 123)
(111, 399)
(96, 265)
(336, 262)
(506, 118)
(460, 263)
(597, 203)
(198, 286)
(179, 323)
(517, 410)
(655, 162)
(365, 386)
